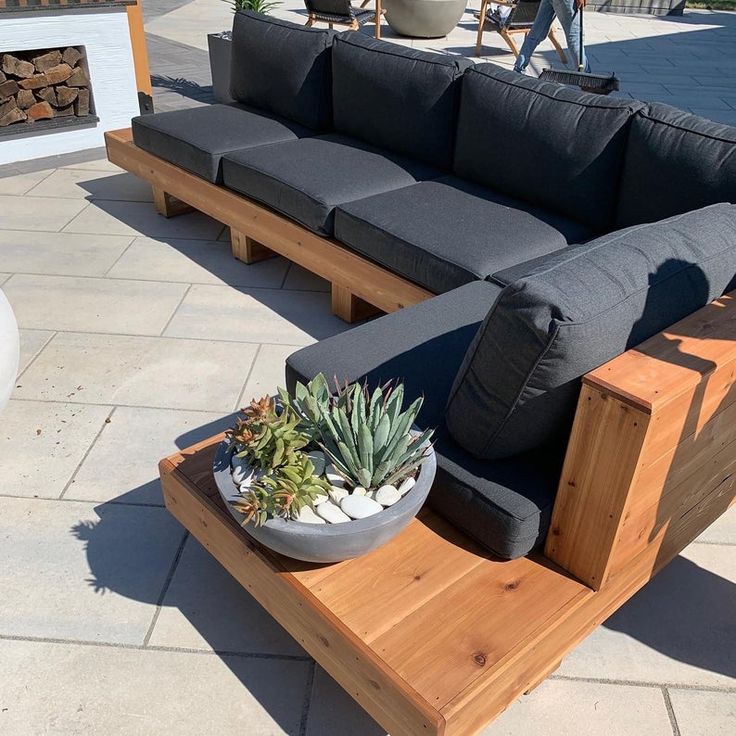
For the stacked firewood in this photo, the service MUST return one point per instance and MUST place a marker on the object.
(40, 85)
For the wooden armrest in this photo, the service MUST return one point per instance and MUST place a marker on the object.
(652, 455)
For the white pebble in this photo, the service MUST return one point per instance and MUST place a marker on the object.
(387, 495)
(407, 485)
(359, 507)
(241, 470)
(318, 460)
(359, 491)
(333, 477)
(307, 516)
(329, 512)
(320, 498)
(337, 494)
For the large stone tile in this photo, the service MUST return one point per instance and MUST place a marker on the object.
(205, 608)
(79, 184)
(92, 304)
(700, 713)
(679, 629)
(257, 315)
(21, 183)
(51, 688)
(195, 262)
(76, 571)
(267, 373)
(723, 531)
(332, 712)
(559, 708)
(140, 371)
(300, 279)
(98, 165)
(4, 277)
(123, 463)
(60, 254)
(140, 218)
(32, 343)
(37, 213)
(42, 444)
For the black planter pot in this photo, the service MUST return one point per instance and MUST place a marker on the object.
(219, 47)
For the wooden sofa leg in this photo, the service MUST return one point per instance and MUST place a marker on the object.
(167, 205)
(349, 307)
(248, 250)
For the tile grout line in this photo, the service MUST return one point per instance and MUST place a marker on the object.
(239, 400)
(176, 309)
(117, 260)
(165, 588)
(38, 183)
(67, 499)
(644, 683)
(308, 695)
(105, 422)
(71, 220)
(120, 406)
(670, 711)
(154, 648)
(34, 358)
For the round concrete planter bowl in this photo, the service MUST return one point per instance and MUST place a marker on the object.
(328, 542)
(424, 18)
(9, 350)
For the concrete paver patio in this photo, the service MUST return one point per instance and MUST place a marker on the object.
(141, 335)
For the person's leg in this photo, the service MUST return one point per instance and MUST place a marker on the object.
(569, 16)
(539, 31)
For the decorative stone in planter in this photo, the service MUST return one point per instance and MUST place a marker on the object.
(219, 45)
(272, 470)
(328, 542)
(9, 350)
(423, 18)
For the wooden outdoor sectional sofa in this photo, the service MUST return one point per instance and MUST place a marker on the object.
(561, 300)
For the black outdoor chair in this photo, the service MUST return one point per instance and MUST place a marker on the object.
(519, 20)
(342, 12)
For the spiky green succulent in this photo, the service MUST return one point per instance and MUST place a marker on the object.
(282, 493)
(267, 437)
(367, 436)
(310, 403)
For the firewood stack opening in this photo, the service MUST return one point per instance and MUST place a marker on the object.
(42, 85)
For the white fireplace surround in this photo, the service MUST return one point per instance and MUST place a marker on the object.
(105, 35)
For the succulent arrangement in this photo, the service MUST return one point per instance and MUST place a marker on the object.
(320, 456)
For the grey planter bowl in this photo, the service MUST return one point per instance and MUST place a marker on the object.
(328, 542)
(424, 18)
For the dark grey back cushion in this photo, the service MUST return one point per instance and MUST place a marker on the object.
(396, 98)
(675, 162)
(282, 68)
(520, 379)
(550, 145)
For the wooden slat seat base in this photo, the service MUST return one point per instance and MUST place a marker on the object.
(429, 634)
(257, 232)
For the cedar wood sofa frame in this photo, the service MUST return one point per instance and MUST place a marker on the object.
(430, 634)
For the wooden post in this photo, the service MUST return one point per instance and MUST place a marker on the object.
(167, 205)
(349, 307)
(246, 249)
(140, 56)
(652, 455)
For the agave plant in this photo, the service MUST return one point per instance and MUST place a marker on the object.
(368, 437)
(258, 6)
(282, 493)
(268, 438)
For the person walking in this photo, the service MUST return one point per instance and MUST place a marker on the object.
(568, 13)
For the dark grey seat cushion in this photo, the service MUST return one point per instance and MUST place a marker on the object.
(306, 179)
(505, 505)
(447, 232)
(520, 379)
(675, 162)
(396, 98)
(196, 139)
(553, 146)
(282, 67)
